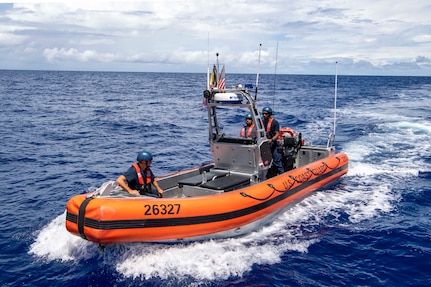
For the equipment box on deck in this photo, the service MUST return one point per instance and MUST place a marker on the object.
(308, 154)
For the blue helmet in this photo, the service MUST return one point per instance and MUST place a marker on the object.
(267, 110)
(248, 116)
(144, 156)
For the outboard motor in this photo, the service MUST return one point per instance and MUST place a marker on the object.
(289, 142)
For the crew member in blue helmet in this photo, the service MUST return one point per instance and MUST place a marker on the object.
(249, 130)
(272, 129)
(139, 178)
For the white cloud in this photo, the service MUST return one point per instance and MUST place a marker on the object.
(422, 38)
(9, 39)
(55, 54)
(371, 37)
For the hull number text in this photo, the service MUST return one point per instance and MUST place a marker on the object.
(163, 209)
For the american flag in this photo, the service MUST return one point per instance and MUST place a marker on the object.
(221, 81)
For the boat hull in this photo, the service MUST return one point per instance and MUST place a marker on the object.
(107, 220)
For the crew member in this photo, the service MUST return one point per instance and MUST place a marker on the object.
(249, 130)
(139, 178)
(272, 129)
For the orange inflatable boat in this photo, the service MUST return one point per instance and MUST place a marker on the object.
(237, 193)
(111, 215)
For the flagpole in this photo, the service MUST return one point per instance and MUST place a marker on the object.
(217, 70)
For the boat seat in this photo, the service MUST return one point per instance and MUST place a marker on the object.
(198, 179)
(228, 182)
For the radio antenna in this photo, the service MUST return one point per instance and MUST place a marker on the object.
(257, 76)
(332, 136)
(208, 63)
(275, 77)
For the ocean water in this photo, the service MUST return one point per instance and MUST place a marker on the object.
(65, 133)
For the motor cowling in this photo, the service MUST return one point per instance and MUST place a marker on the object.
(289, 142)
(288, 138)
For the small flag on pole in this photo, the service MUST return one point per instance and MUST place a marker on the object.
(213, 79)
(222, 81)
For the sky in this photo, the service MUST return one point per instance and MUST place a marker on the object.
(366, 37)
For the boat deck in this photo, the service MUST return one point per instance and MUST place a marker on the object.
(209, 180)
(197, 182)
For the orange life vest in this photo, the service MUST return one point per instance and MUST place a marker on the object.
(249, 131)
(148, 178)
(268, 125)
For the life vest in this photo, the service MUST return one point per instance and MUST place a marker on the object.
(249, 131)
(268, 125)
(143, 180)
(268, 128)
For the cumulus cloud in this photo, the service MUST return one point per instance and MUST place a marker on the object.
(423, 60)
(72, 54)
(422, 38)
(10, 39)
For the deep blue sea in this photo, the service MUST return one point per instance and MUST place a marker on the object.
(65, 133)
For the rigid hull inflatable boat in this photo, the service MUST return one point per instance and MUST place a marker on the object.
(235, 194)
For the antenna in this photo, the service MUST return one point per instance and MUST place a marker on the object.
(335, 96)
(332, 136)
(208, 63)
(275, 77)
(257, 76)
